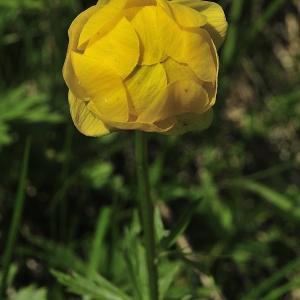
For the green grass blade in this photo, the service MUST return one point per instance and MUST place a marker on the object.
(167, 279)
(179, 227)
(269, 283)
(279, 292)
(230, 45)
(16, 218)
(282, 202)
(101, 229)
(270, 11)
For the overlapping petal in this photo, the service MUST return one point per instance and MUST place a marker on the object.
(151, 45)
(216, 20)
(187, 16)
(161, 126)
(146, 85)
(199, 53)
(192, 122)
(119, 47)
(105, 88)
(74, 32)
(102, 20)
(177, 71)
(185, 96)
(85, 121)
(139, 3)
(171, 34)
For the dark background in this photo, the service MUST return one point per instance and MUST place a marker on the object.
(240, 178)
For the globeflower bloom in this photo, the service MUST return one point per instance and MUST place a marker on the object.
(150, 65)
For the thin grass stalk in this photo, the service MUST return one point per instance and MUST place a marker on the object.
(16, 220)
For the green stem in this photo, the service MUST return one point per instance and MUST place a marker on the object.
(16, 220)
(146, 209)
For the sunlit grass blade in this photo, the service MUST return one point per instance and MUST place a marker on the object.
(16, 218)
(98, 290)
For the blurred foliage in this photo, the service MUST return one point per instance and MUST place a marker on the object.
(229, 197)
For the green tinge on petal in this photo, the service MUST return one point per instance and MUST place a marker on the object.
(192, 122)
(160, 127)
(84, 120)
(184, 96)
(119, 48)
(216, 20)
(136, 3)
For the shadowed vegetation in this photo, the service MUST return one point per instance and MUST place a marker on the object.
(228, 198)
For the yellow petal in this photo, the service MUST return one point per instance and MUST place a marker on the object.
(74, 32)
(170, 33)
(145, 87)
(119, 48)
(135, 3)
(102, 20)
(186, 16)
(165, 5)
(185, 96)
(147, 27)
(160, 40)
(192, 122)
(103, 86)
(85, 121)
(176, 71)
(216, 20)
(200, 54)
(130, 13)
(148, 127)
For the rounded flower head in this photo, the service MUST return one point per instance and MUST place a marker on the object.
(149, 65)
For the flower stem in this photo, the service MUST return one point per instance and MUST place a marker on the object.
(146, 210)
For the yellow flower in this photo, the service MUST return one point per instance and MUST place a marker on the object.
(150, 65)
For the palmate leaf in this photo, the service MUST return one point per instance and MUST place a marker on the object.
(97, 288)
(24, 104)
